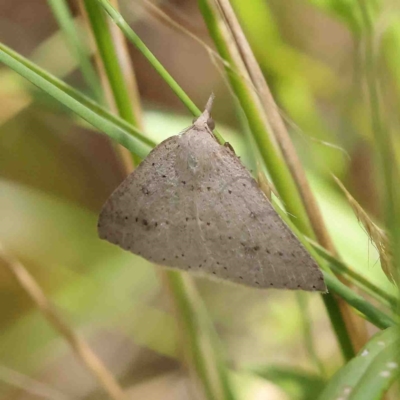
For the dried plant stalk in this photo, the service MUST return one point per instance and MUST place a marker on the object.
(82, 350)
(277, 126)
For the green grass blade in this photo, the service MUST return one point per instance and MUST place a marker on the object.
(136, 41)
(339, 267)
(364, 371)
(338, 325)
(379, 376)
(269, 152)
(201, 340)
(109, 56)
(100, 118)
(65, 20)
(371, 313)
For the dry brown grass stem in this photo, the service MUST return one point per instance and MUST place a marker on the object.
(278, 127)
(82, 350)
(121, 47)
(355, 325)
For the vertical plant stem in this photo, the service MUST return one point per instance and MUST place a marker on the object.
(273, 159)
(138, 43)
(106, 48)
(302, 300)
(77, 45)
(278, 128)
(201, 344)
(117, 68)
(260, 128)
(338, 325)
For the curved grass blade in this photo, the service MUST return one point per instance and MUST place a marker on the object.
(369, 373)
(137, 42)
(339, 267)
(111, 125)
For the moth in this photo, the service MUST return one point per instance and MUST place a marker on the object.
(192, 205)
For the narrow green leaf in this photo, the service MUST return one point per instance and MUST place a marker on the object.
(109, 56)
(341, 268)
(202, 343)
(249, 102)
(371, 313)
(369, 373)
(136, 41)
(111, 125)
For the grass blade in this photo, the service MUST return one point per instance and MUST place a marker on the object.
(135, 40)
(204, 350)
(112, 126)
(371, 313)
(339, 267)
(65, 20)
(362, 376)
(111, 62)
